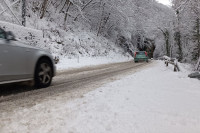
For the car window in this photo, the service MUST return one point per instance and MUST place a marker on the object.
(141, 53)
(2, 34)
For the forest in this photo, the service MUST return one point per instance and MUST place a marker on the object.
(131, 24)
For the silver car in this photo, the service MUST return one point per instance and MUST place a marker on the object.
(20, 62)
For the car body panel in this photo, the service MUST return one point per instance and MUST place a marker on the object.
(13, 61)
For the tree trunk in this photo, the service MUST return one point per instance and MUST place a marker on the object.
(83, 9)
(178, 39)
(198, 36)
(66, 2)
(12, 12)
(24, 12)
(59, 5)
(43, 9)
(167, 43)
(101, 21)
(66, 14)
(178, 42)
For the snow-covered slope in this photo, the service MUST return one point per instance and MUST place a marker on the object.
(74, 48)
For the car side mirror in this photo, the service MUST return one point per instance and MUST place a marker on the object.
(10, 36)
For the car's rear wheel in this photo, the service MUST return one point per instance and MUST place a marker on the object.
(43, 74)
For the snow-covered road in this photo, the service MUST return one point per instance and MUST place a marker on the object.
(152, 100)
(70, 79)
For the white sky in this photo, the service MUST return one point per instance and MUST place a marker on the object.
(165, 2)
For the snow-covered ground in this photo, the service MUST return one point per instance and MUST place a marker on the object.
(65, 63)
(154, 100)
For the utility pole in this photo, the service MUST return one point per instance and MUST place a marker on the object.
(24, 13)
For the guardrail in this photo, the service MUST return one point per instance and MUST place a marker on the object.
(171, 61)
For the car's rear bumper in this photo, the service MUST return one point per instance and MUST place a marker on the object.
(140, 59)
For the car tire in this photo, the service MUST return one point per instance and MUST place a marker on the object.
(43, 74)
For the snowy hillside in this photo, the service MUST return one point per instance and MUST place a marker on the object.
(70, 47)
(88, 28)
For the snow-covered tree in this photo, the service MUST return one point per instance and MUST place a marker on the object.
(143, 24)
(188, 27)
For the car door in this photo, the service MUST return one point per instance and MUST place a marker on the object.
(13, 61)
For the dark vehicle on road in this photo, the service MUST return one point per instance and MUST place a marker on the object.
(141, 56)
(20, 62)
